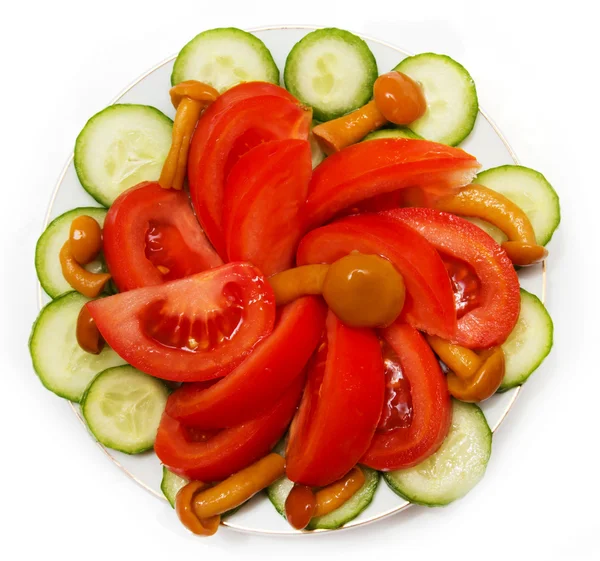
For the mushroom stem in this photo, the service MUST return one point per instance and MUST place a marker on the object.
(481, 202)
(190, 99)
(473, 377)
(349, 129)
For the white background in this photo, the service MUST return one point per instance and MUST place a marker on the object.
(536, 71)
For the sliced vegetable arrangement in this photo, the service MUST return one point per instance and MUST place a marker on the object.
(273, 303)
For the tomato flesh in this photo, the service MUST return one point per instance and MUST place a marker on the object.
(239, 120)
(429, 302)
(151, 236)
(397, 404)
(465, 285)
(172, 328)
(192, 329)
(262, 378)
(406, 445)
(215, 456)
(487, 319)
(162, 244)
(263, 204)
(340, 407)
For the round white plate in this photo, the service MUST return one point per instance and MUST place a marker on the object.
(485, 142)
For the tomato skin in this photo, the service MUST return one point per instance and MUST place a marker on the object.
(264, 201)
(491, 322)
(257, 383)
(237, 121)
(431, 405)
(367, 169)
(140, 324)
(429, 303)
(230, 450)
(246, 90)
(340, 407)
(125, 236)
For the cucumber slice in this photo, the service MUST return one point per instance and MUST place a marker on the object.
(47, 263)
(493, 231)
(122, 408)
(398, 132)
(60, 363)
(120, 147)
(451, 96)
(529, 343)
(530, 190)
(225, 57)
(331, 70)
(278, 492)
(171, 483)
(455, 468)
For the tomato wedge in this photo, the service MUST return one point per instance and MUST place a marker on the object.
(340, 407)
(429, 303)
(257, 383)
(191, 329)
(265, 195)
(151, 236)
(240, 119)
(214, 457)
(496, 310)
(368, 169)
(405, 447)
(246, 90)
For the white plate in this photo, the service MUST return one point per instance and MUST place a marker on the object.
(485, 142)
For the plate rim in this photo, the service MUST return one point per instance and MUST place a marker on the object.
(73, 406)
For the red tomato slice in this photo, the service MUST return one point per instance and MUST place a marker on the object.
(151, 236)
(265, 195)
(246, 90)
(191, 329)
(496, 309)
(237, 121)
(257, 383)
(228, 451)
(429, 304)
(340, 407)
(405, 447)
(367, 169)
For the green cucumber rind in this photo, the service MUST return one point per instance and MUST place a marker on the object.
(277, 505)
(553, 195)
(291, 75)
(397, 132)
(41, 256)
(93, 190)
(170, 485)
(520, 378)
(470, 118)
(258, 45)
(36, 334)
(347, 512)
(415, 498)
(31, 343)
(108, 442)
